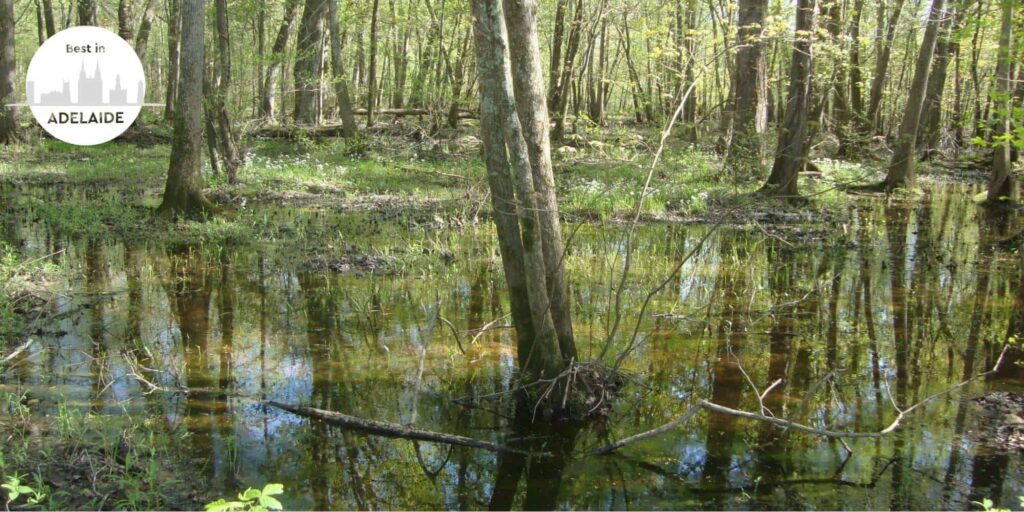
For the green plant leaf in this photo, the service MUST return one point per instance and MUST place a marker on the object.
(223, 505)
(271, 503)
(272, 489)
(249, 494)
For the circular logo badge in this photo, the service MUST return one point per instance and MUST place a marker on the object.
(85, 85)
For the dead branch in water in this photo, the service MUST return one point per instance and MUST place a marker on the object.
(387, 429)
(21, 348)
(787, 424)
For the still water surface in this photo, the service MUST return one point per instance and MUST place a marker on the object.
(898, 303)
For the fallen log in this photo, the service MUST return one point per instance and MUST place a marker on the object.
(387, 429)
(337, 130)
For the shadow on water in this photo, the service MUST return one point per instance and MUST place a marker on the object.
(902, 302)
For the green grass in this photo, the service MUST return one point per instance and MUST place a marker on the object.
(399, 183)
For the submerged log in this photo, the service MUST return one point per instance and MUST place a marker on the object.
(386, 429)
(337, 130)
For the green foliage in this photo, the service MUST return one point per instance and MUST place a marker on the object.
(15, 489)
(255, 500)
(989, 506)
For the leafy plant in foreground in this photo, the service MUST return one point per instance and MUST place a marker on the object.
(256, 500)
(15, 489)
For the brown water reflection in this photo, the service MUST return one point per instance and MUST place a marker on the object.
(902, 302)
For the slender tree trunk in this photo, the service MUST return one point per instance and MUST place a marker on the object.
(183, 195)
(124, 20)
(173, 56)
(558, 98)
(276, 55)
(746, 149)
(145, 28)
(506, 216)
(790, 154)
(40, 24)
(1000, 184)
(539, 354)
(51, 27)
(930, 132)
(308, 63)
(882, 66)
(856, 80)
(371, 84)
(348, 120)
(531, 103)
(8, 115)
(87, 12)
(901, 167)
(221, 91)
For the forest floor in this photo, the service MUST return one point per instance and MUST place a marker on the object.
(387, 184)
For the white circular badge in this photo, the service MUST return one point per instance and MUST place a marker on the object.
(85, 85)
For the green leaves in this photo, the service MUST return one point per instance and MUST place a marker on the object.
(253, 500)
(12, 484)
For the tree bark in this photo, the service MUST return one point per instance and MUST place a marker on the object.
(183, 195)
(931, 115)
(267, 101)
(124, 20)
(86, 12)
(51, 27)
(145, 28)
(221, 90)
(538, 353)
(348, 120)
(558, 98)
(8, 115)
(750, 115)
(173, 56)
(531, 104)
(790, 154)
(882, 66)
(371, 84)
(901, 167)
(1000, 183)
(856, 92)
(308, 62)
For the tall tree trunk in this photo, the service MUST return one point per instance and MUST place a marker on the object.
(348, 121)
(901, 167)
(746, 150)
(124, 20)
(308, 63)
(790, 154)
(531, 105)
(559, 95)
(276, 55)
(183, 195)
(51, 27)
(539, 355)
(856, 92)
(221, 91)
(86, 12)
(8, 115)
(371, 84)
(173, 56)
(931, 114)
(884, 51)
(40, 24)
(1000, 183)
(145, 28)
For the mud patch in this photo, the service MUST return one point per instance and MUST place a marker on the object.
(351, 263)
(1002, 427)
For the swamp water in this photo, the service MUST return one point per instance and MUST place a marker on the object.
(901, 302)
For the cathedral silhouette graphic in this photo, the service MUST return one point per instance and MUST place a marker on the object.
(89, 89)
